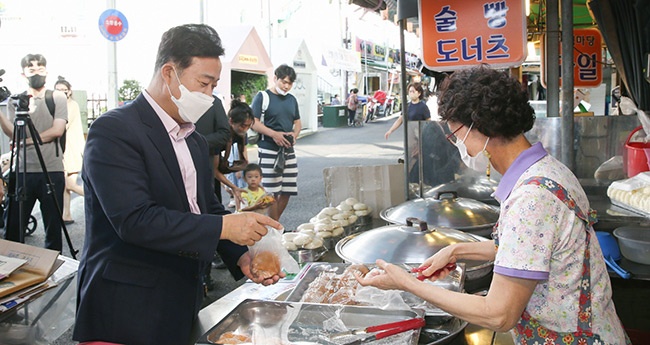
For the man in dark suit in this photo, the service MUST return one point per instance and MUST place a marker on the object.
(213, 125)
(152, 220)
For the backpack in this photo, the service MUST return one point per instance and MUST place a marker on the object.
(49, 101)
(253, 136)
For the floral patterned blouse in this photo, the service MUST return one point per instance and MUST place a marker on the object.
(540, 238)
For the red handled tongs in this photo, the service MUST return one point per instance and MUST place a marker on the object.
(381, 331)
(450, 266)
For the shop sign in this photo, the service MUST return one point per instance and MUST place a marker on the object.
(587, 58)
(300, 64)
(339, 58)
(458, 34)
(247, 59)
(412, 60)
(370, 51)
(113, 25)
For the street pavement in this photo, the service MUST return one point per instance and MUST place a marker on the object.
(328, 147)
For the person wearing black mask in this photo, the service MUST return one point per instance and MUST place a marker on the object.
(50, 121)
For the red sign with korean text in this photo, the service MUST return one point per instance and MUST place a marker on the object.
(459, 34)
(587, 58)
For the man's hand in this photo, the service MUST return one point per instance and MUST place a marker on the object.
(280, 140)
(244, 264)
(246, 228)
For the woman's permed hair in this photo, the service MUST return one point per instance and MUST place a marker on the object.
(495, 102)
(240, 112)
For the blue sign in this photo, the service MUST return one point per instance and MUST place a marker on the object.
(113, 25)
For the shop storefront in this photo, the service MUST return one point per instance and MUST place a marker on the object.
(245, 53)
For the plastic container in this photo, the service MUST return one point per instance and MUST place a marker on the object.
(637, 155)
(634, 243)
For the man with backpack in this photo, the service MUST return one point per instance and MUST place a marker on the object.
(278, 123)
(49, 121)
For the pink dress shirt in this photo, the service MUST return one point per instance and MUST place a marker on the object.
(177, 135)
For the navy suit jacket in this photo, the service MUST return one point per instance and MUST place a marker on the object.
(139, 279)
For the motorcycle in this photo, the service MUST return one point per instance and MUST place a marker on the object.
(378, 109)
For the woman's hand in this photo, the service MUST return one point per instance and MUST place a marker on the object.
(390, 277)
(237, 192)
(244, 264)
(438, 261)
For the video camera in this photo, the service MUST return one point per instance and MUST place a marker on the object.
(4, 92)
(21, 103)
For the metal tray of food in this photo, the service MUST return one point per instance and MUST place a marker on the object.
(454, 281)
(272, 322)
(308, 255)
(330, 242)
(630, 208)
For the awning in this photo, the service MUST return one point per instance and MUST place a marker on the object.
(384, 66)
(339, 58)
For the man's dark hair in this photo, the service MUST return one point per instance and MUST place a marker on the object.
(27, 60)
(494, 101)
(182, 43)
(284, 71)
(252, 167)
(240, 112)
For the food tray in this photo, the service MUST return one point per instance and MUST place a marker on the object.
(454, 281)
(630, 208)
(330, 242)
(364, 220)
(307, 324)
(308, 255)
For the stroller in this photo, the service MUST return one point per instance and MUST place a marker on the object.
(32, 223)
(358, 117)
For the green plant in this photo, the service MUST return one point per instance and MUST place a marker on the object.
(248, 84)
(129, 90)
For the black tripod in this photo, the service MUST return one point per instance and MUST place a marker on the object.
(22, 123)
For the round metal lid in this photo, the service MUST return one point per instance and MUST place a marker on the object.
(477, 188)
(445, 209)
(400, 243)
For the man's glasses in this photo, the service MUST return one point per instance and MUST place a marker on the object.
(452, 137)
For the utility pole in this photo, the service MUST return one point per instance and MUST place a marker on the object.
(112, 96)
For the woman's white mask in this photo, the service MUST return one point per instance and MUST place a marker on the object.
(481, 161)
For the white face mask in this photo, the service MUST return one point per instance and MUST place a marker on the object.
(280, 91)
(192, 104)
(479, 163)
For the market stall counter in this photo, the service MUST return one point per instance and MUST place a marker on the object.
(440, 328)
(214, 313)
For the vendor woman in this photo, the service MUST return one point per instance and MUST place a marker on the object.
(550, 279)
